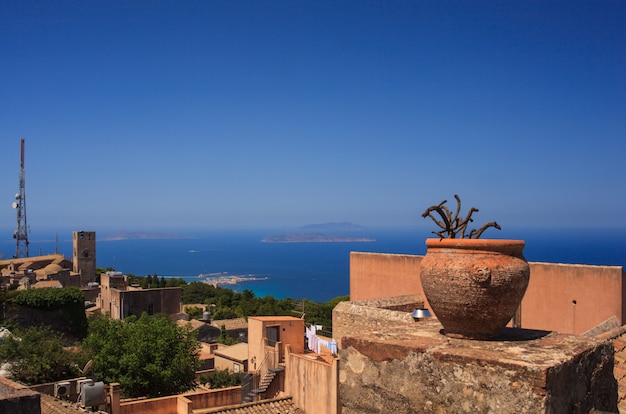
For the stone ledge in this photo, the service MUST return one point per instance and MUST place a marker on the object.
(414, 368)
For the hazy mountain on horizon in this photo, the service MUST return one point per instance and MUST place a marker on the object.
(333, 226)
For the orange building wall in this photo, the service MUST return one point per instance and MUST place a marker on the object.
(572, 298)
(381, 275)
(599, 291)
(168, 405)
(308, 381)
(291, 333)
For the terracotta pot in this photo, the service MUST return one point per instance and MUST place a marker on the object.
(474, 286)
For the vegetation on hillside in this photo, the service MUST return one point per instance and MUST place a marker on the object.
(149, 356)
(37, 355)
(70, 301)
(224, 303)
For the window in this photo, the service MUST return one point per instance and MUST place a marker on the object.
(273, 335)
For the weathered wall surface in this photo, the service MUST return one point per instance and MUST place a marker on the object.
(151, 301)
(312, 383)
(560, 297)
(358, 316)
(618, 338)
(415, 369)
(18, 399)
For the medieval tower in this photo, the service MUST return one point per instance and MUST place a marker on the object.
(84, 243)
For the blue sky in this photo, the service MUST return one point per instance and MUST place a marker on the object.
(171, 114)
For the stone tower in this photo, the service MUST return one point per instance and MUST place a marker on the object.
(84, 243)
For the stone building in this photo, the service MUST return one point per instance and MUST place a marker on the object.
(27, 272)
(84, 254)
(120, 300)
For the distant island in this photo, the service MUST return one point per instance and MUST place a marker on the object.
(219, 279)
(141, 235)
(341, 227)
(313, 238)
(343, 232)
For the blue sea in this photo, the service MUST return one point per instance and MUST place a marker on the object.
(315, 271)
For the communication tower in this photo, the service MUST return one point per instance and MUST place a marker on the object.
(21, 234)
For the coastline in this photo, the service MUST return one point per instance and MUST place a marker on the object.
(215, 280)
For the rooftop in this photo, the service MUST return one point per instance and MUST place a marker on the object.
(230, 324)
(273, 406)
(237, 352)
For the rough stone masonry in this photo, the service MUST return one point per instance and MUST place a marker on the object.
(413, 368)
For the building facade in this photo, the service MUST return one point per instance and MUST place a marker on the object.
(84, 255)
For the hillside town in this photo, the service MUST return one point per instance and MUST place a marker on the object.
(387, 350)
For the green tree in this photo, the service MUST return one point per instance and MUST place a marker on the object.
(224, 338)
(193, 311)
(175, 282)
(225, 312)
(220, 378)
(198, 292)
(149, 356)
(69, 301)
(37, 356)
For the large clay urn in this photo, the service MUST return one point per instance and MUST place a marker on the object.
(474, 286)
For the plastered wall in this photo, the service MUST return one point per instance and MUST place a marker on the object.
(566, 298)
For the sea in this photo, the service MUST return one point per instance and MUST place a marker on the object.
(313, 271)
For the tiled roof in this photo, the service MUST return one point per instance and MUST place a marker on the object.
(51, 405)
(194, 323)
(230, 324)
(47, 284)
(273, 406)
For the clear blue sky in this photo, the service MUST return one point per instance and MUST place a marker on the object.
(158, 114)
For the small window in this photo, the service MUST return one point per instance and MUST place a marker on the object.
(273, 335)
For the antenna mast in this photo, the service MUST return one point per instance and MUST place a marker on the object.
(21, 234)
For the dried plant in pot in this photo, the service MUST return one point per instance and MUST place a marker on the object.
(473, 285)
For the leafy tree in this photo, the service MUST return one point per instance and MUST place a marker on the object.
(70, 301)
(149, 356)
(220, 378)
(38, 356)
(198, 292)
(193, 311)
(175, 282)
(225, 339)
(225, 312)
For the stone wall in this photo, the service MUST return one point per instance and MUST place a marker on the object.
(358, 316)
(18, 399)
(618, 337)
(151, 301)
(415, 369)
